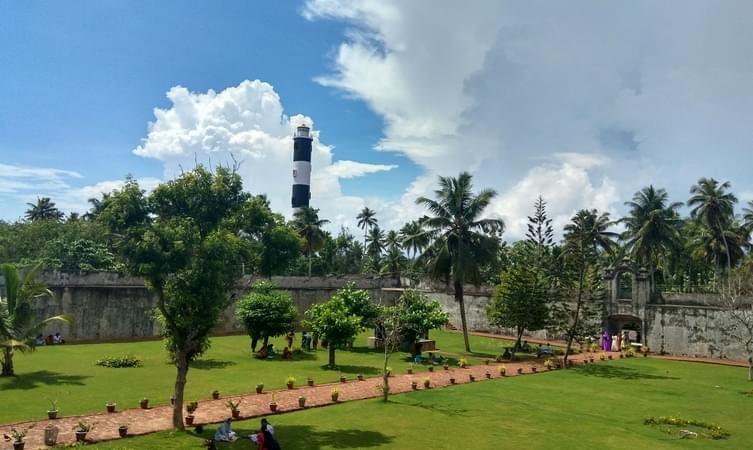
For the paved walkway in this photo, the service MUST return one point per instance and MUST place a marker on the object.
(255, 405)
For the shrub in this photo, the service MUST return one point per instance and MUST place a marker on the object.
(630, 352)
(191, 407)
(502, 370)
(463, 363)
(712, 431)
(114, 362)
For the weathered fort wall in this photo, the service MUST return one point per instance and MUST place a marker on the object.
(109, 306)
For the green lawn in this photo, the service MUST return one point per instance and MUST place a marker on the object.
(68, 373)
(597, 407)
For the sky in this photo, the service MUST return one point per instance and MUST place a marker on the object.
(582, 102)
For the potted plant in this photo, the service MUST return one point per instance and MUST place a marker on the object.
(302, 401)
(502, 370)
(488, 374)
(520, 370)
(81, 429)
(191, 408)
(290, 382)
(534, 369)
(431, 368)
(471, 377)
(144, 403)
(335, 394)
(609, 356)
(410, 369)
(360, 377)
(548, 364)
(17, 437)
(310, 381)
(463, 363)
(172, 399)
(215, 394)
(486, 362)
(123, 430)
(51, 435)
(236, 413)
(259, 388)
(110, 407)
(273, 403)
(343, 379)
(602, 356)
(414, 384)
(452, 380)
(427, 382)
(590, 359)
(52, 413)
(446, 367)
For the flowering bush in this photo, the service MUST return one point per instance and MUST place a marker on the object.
(119, 362)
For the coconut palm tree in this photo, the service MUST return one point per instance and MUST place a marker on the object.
(461, 241)
(652, 228)
(43, 209)
(714, 207)
(18, 326)
(366, 220)
(375, 246)
(412, 237)
(394, 262)
(392, 240)
(748, 219)
(307, 223)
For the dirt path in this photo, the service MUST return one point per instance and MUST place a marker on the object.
(142, 421)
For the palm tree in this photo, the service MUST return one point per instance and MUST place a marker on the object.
(307, 223)
(460, 238)
(43, 209)
(18, 327)
(375, 245)
(705, 244)
(98, 205)
(412, 237)
(366, 220)
(748, 219)
(652, 228)
(714, 207)
(392, 240)
(584, 236)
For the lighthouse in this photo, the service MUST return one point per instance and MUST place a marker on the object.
(301, 167)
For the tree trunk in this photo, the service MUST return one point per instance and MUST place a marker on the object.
(181, 363)
(385, 375)
(574, 327)
(726, 247)
(331, 355)
(461, 305)
(519, 338)
(309, 264)
(750, 368)
(254, 340)
(8, 362)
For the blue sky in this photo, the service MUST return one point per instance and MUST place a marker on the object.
(80, 80)
(560, 99)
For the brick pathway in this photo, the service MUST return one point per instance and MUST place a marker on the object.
(254, 405)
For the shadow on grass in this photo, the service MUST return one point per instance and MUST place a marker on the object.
(305, 437)
(624, 373)
(33, 380)
(206, 364)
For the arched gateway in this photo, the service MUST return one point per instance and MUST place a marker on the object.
(628, 289)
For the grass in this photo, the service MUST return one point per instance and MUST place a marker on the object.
(597, 407)
(68, 373)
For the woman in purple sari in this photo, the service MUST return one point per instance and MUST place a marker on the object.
(606, 342)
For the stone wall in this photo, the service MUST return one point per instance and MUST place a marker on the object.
(109, 306)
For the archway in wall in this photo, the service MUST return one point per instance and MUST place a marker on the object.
(621, 323)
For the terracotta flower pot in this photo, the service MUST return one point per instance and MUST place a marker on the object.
(431, 368)
(236, 413)
(534, 369)
(335, 397)
(259, 388)
(215, 395)
(19, 445)
(410, 371)
(52, 415)
(446, 367)
(343, 379)
(123, 431)
(414, 385)
(110, 408)
(452, 381)
(80, 436)
(610, 356)
(144, 404)
(472, 377)
(188, 420)
(520, 370)
(488, 375)
(273, 407)
(290, 385)
(302, 402)
(427, 384)
(360, 377)
(310, 381)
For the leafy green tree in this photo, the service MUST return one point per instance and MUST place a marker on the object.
(585, 236)
(43, 209)
(460, 240)
(308, 224)
(18, 325)
(280, 246)
(394, 263)
(358, 302)
(375, 246)
(79, 255)
(265, 312)
(713, 206)
(652, 228)
(366, 220)
(419, 314)
(519, 301)
(334, 322)
(184, 240)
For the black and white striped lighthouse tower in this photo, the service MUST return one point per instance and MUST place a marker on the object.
(301, 167)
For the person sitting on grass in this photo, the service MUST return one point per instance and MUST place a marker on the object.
(58, 339)
(287, 354)
(225, 432)
(265, 438)
(525, 348)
